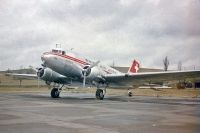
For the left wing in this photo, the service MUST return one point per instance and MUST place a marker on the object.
(22, 76)
(57, 79)
(138, 78)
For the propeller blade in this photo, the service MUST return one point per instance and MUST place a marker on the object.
(84, 79)
(93, 65)
(39, 70)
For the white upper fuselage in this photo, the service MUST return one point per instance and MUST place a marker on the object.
(72, 67)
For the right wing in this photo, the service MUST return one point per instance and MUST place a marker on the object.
(139, 78)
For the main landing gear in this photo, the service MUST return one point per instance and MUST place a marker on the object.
(55, 92)
(100, 93)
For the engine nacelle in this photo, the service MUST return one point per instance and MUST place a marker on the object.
(93, 74)
(48, 75)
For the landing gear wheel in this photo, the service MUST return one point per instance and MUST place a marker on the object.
(55, 93)
(130, 94)
(99, 94)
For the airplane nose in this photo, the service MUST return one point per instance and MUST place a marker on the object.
(43, 58)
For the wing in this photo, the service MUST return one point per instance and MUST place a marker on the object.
(22, 76)
(138, 78)
(60, 79)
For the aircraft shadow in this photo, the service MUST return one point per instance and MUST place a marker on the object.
(79, 98)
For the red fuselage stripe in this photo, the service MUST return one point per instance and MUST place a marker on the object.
(107, 72)
(70, 58)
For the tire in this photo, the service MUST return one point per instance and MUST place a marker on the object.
(99, 94)
(130, 94)
(55, 93)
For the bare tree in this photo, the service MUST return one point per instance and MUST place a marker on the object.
(166, 63)
(180, 65)
(113, 64)
(8, 70)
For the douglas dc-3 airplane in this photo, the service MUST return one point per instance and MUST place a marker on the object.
(63, 68)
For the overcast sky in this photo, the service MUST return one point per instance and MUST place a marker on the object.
(105, 30)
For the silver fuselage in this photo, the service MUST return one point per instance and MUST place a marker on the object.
(72, 67)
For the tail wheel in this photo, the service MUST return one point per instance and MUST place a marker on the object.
(55, 93)
(130, 94)
(99, 94)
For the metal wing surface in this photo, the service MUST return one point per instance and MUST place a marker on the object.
(22, 76)
(138, 78)
(61, 79)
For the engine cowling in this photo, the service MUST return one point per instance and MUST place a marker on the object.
(48, 75)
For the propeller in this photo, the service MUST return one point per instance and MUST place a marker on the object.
(87, 70)
(40, 72)
(38, 82)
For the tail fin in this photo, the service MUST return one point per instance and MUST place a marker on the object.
(135, 67)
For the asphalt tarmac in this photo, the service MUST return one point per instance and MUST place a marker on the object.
(82, 113)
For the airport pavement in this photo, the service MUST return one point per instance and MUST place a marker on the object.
(81, 113)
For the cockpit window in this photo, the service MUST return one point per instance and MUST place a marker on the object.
(55, 51)
(63, 52)
(58, 51)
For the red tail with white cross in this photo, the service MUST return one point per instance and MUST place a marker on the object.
(135, 67)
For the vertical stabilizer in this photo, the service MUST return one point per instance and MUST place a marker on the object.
(135, 67)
